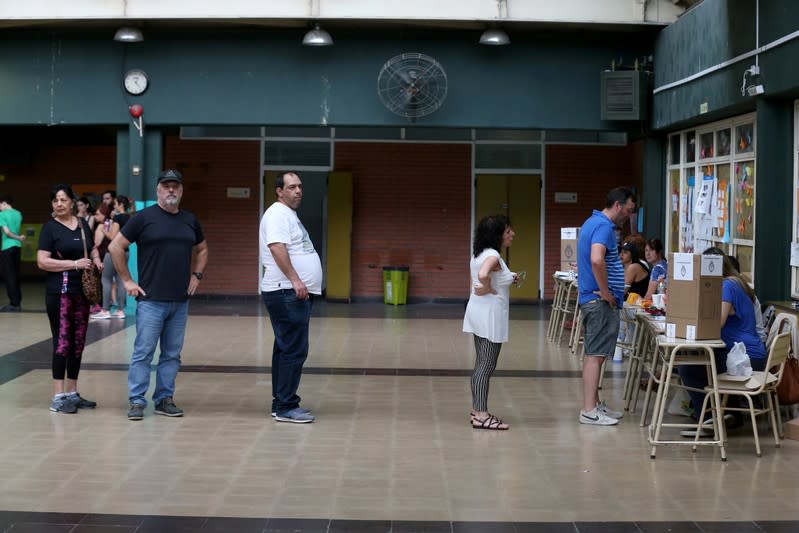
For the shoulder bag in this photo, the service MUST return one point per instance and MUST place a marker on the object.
(90, 278)
(788, 387)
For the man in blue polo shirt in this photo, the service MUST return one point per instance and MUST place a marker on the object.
(600, 295)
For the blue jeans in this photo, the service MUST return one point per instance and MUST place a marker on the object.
(164, 321)
(290, 318)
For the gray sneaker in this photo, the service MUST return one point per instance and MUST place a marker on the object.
(307, 411)
(595, 417)
(136, 411)
(167, 407)
(296, 415)
(64, 404)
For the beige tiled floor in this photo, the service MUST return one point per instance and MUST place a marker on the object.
(383, 447)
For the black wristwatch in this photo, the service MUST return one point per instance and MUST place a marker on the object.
(198, 275)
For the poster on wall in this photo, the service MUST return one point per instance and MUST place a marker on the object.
(704, 195)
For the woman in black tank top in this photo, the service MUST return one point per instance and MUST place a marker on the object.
(636, 270)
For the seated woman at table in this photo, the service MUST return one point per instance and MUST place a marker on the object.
(653, 253)
(737, 325)
(760, 324)
(636, 270)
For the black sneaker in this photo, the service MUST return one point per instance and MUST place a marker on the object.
(167, 407)
(83, 403)
(136, 411)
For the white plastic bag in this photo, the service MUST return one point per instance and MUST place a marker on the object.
(738, 363)
(680, 404)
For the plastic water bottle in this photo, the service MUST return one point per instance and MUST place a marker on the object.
(661, 287)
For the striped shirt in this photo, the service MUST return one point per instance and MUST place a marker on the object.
(599, 229)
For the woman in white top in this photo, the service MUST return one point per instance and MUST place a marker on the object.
(487, 311)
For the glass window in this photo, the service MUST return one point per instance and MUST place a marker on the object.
(711, 189)
(723, 142)
(706, 146)
(746, 262)
(508, 156)
(297, 153)
(674, 208)
(743, 219)
(690, 147)
(744, 138)
(674, 149)
(721, 228)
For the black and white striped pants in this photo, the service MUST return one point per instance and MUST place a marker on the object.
(487, 354)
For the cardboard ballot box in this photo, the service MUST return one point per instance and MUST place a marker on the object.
(694, 296)
(568, 248)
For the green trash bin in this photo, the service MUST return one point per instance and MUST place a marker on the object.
(395, 285)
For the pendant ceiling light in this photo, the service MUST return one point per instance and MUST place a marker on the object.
(128, 34)
(317, 37)
(494, 37)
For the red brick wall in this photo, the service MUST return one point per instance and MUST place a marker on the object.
(29, 184)
(590, 171)
(411, 206)
(230, 224)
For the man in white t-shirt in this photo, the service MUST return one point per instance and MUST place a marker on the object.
(292, 275)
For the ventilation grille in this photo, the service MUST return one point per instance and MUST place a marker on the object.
(623, 96)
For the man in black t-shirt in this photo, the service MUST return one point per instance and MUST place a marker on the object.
(167, 238)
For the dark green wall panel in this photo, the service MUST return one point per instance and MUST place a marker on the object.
(234, 78)
(714, 32)
(774, 201)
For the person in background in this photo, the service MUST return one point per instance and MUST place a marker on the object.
(102, 238)
(172, 254)
(116, 292)
(653, 253)
(10, 252)
(487, 311)
(639, 241)
(636, 270)
(61, 255)
(108, 198)
(600, 296)
(737, 325)
(86, 211)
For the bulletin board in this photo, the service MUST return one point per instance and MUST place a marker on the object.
(712, 187)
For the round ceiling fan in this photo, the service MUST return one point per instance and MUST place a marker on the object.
(412, 85)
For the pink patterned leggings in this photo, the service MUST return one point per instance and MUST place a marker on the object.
(69, 320)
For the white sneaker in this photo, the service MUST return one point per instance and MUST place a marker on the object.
(691, 433)
(607, 411)
(728, 418)
(597, 418)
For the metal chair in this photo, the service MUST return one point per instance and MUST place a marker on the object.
(762, 383)
(554, 317)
